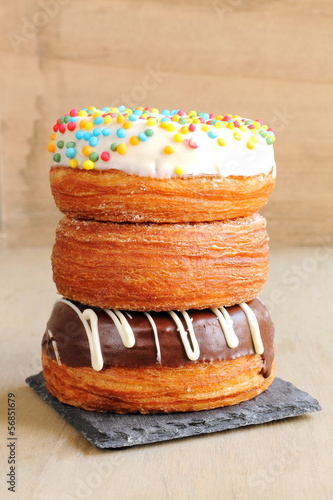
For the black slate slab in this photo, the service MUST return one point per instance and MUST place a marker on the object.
(109, 430)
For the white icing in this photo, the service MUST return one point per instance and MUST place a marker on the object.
(92, 333)
(123, 327)
(149, 159)
(254, 327)
(55, 347)
(192, 351)
(157, 342)
(226, 325)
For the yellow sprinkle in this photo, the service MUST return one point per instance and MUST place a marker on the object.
(196, 121)
(265, 127)
(192, 113)
(221, 141)
(88, 165)
(218, 117)
(163, 124)
(168, 150)
(218, 125)
(179, 170)
(51, 147)
(170, 127)
(97, 113)
(120, 119)
(254, 139)
(144, 115)
(151, 121)
(178, 137)
(231, 126)
(82, 123)
(140, 108)
(92, 108)
(82, 112)
(134, 140)
(236, 117)
(205, 128)
(250, 145)
(242, 128)
(128, 111)
(184, 129)
(74, 163)
(155, 110)
(86, 150)
(237, 136)
(257, 125)
(114, 110)
(122, 148)
(175, 118)
(89, 125)
(127, 125)
(107, 119)
(53, 136)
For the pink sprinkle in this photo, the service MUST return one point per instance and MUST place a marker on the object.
(251, 126)
(105, 156)
(270, 130)
(211, 115)
(62, 128)
(191, 127)
(192, 144)
(181, 113)
(71, 126)
(236, 123)
(73, 112)
(226, 118)
(56, 127)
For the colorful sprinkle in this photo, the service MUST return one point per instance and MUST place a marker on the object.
(60, 144)
(73, 163)
(168, 150)
(105, 156)
(142, 136)
(179, 170)
(88, 165)
(134, 140)
(221, 141)
(122, 148)
(87, 150)
(121, 132)
(114, 146)
(57, 157)
(94, 157)
(149, 132)
(70, 152)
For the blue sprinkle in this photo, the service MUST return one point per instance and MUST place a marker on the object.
(142, 136)
(73, 119)
(70, 152)
(106, 109)
(122, 108)
(174, 112)
(93, 141)
(165, 112)
(79, 134)
(98, 120)
(212, 134)
(87, 136)
(106, 131)
(137, 112)
(133, 117)
(166, 119)
(97, 131)
(121, 132)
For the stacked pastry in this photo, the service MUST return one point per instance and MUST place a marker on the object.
(159, 259)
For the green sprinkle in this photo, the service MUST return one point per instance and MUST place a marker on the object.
(70, 144)
(182, 121)
(114, 146)
(66, 119)
(60, 144)
(263, 133)
(93, 156)
(248, 122)
(57, 157)
(149, 132)
(269, 140)
(62, 119)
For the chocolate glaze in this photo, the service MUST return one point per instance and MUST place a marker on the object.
(72, 343)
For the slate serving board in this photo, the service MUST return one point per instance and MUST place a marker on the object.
(109, 430)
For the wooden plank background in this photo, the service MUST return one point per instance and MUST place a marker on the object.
(265, 59)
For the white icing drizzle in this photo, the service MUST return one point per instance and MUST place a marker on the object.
(55, 347)
(123, 327)
(193, 353)
(92, 334)
(157, 342)
(226, 325)
(254, 327)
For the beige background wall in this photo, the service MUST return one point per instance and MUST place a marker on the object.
(268, 59)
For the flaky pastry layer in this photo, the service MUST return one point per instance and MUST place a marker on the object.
(158, 267)
(113, 195)
(199, 386)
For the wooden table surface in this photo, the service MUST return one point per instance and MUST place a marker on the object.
(289, 459)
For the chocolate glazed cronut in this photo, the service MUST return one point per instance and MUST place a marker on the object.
(166, 361)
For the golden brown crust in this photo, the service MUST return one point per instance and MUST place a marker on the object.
(199, 386)
(160, 267)
(116, 196)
